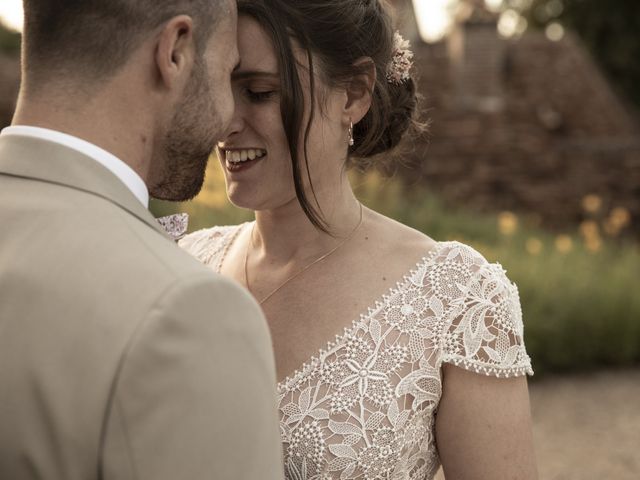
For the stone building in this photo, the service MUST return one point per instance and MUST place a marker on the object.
(524, 124)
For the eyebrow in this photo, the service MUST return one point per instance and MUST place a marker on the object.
(243, 75)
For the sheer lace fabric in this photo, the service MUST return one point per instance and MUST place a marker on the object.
(364, 406)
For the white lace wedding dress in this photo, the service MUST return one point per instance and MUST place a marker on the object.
(364, 406)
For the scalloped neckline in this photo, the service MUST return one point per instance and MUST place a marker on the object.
(297, 375)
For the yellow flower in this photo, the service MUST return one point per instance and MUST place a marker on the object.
(507, 223)
(589, 229)
(564, 243)
(618, 219)
(593, 244)
(592, 203)
(534, 246)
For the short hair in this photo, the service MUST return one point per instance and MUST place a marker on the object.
(95, 38)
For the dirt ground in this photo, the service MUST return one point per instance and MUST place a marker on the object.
(587, 427)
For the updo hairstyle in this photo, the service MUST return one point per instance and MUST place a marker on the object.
(335, 34)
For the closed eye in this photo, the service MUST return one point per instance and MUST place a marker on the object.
(260, 96)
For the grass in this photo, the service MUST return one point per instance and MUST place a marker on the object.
(579, 289)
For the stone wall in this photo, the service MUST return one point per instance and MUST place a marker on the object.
(551, 132)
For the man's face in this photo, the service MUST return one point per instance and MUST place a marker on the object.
(202, 116)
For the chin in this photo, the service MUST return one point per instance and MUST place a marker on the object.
(180, 187)
(240, 200)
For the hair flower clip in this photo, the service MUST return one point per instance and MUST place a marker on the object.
(401, 61)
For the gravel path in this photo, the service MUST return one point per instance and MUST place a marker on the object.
(587, 427)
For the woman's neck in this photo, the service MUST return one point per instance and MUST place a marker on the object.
(286, 235)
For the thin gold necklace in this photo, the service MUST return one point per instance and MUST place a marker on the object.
(303, 269)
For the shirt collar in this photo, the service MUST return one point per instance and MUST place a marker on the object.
(120, 169)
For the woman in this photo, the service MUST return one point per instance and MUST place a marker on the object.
(323, 84)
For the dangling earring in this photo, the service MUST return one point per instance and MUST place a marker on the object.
(351, 141)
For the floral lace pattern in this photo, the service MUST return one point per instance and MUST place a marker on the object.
(210, 245)
(363, 408)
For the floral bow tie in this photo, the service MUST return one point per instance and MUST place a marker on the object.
(175, 225)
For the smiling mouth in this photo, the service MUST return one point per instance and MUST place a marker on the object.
(240, 159)
(236, 157)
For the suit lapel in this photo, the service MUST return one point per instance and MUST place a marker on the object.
(50, 162)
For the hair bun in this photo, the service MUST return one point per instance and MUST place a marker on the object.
(392, 115)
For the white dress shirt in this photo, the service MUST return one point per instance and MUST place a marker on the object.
(116, 166)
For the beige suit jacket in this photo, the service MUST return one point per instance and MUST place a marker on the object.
(121, 357)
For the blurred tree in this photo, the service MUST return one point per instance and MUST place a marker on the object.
(610, 29)
(9, 41)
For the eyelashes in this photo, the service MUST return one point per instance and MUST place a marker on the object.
(258, 97)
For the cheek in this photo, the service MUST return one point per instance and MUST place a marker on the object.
(267, 120)
(321, 135)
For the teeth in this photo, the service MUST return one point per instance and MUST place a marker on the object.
(239, 156)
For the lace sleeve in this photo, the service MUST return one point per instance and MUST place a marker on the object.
(484, 332)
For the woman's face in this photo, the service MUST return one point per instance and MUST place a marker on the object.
(255, 154)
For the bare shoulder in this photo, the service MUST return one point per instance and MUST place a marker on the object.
(399, 241)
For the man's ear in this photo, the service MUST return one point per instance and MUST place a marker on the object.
(175, 51)
(360, 91)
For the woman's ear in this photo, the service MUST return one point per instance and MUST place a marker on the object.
(360, 91)
(175, 51)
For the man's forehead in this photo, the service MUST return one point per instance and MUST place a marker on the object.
(229, 7)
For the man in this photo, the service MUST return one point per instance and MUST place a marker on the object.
(120, 356)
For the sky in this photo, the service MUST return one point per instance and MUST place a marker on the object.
(11, 13)
(433, 16)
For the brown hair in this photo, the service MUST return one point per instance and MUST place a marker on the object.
(337, 33)
(94, 38)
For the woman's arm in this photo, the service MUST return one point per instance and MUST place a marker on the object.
(483, 427)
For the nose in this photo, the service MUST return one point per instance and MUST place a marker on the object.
(237, 123)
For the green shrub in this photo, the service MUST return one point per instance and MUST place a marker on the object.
(9, 41)
(579, 293)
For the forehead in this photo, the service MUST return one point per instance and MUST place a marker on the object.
(255, 46)
(227, 21)
(227, 11)
(221, 47)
